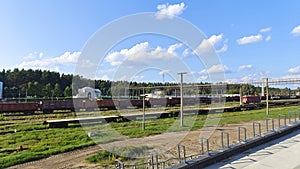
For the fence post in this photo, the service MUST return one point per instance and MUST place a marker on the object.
(222, 139)
(259, 129)
(202, 145)
(239, 133)
(279, 118)
(179, 156)
(267, 124)
(289, 117)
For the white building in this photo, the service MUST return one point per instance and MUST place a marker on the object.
(1, 90)
(88, 92)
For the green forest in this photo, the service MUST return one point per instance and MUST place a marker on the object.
(48, 84)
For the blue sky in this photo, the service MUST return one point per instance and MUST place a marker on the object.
(250, 37)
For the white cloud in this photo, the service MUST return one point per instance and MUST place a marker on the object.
(292, 76)
(223, 49)
(232, 81)
(214, 42)
(105, 77)
(29, 56)
(201, 78)
(164, 72)
(116, 58)
(296, 31)
(204, 71)
(34, 55)
(216, 69)
(249, 78)
(136, 78)
(169, 11)
(244, 67)
(41, 55)
(215, 39)
(52, 63)
(294, 70)
(249, 39)
(172, 48)
(268, 38)
(142, 53)
(264, 30)
(186, 52)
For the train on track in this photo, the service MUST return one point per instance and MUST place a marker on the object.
(49, 106)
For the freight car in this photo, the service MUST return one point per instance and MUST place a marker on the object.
(251, 99)
(49, 106)
(12, 107)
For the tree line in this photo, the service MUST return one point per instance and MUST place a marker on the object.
(48, 84)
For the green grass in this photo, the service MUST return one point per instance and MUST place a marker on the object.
(41, 143)
(108, 159)
(44, 142)
(39, 139)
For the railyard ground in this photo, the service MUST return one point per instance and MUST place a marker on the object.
(40, 141)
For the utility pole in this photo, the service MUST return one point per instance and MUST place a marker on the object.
(181, 98)
(143, 96)
(241, 95)
(267, 96)
(26, 95)
(262, 85)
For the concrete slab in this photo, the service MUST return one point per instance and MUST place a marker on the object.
(281, 153)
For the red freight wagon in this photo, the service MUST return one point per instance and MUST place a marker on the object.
(18, 107)
(251, 99)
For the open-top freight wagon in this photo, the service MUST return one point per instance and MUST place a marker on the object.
(49, 106)
(11, 107)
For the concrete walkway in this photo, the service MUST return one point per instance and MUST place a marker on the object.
(283, 153)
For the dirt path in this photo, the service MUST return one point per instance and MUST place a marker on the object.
(76, 159)
(64, 160)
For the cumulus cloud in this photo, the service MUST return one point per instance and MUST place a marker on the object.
(244, 67)
(169, 11)
(249, 78)
(186, 52)
(223, 49)
(142, 53)
(294, 70)
(213, 43)
(172, 49)
(296, 31)
(264, 30)
(52, 63)
(249, 39)
(116, 58)
(216, 69)
(268, 38)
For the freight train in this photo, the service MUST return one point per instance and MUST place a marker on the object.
(49, 106)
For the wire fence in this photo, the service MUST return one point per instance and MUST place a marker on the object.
(156, 163)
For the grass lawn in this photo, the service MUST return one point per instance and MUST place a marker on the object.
(44, 142)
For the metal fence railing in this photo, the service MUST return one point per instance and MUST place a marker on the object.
(155, 163)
